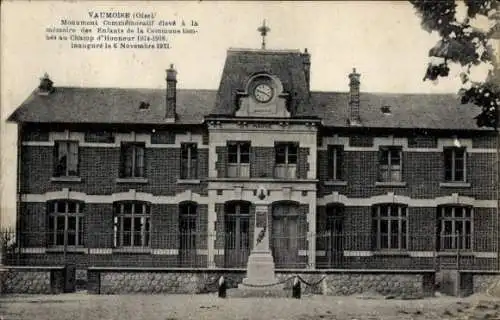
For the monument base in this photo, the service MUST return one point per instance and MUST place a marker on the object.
(260, 269)
(260, 280)
(272, 291)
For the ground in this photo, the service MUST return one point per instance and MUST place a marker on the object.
(77, 306)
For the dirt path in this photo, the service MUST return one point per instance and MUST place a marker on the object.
(80, 306)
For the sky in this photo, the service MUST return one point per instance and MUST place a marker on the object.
(383, 40)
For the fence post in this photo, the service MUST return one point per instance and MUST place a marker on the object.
(296, 288)
(222, 287)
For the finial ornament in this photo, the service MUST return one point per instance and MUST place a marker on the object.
(263, 32)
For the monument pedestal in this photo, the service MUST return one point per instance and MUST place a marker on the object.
(260, 280)
(260, 269)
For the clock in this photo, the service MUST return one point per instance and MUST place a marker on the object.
(263, 93)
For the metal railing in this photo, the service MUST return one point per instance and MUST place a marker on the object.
(231, 250)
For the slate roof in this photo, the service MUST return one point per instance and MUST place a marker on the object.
(113, 105)
(423, 111)
(121, 106)
(109, 105)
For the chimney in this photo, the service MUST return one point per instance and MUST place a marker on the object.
(306, 61)
(171, 93)
(46, 85)
(353, 112)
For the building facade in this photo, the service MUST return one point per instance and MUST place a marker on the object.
(170, 178)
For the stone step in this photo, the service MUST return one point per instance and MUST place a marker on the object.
(266, 292)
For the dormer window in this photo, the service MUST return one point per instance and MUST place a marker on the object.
(386, 110)
(144, 105)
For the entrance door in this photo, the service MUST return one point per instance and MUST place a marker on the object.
(335, 241)
(288, 236)
(237, 235)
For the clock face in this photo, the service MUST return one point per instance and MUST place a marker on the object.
(263, 92)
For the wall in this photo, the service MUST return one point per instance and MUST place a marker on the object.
(99, 165)
(36, 280)
(398, 284)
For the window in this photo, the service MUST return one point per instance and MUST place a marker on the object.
(390, 227)
(189, 161)
(454, 164)
(187, 225)
(335, 157)
(238, 158)
(66, 159)
(286, 160)
(65, 223)
(390, 164)
(454, 229)
(132, 160)
(132, 224)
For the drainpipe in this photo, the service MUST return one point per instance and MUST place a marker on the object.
(20, 128)
(498, 197)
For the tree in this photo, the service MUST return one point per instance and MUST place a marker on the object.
(467, 45)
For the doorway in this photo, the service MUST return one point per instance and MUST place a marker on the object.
(288, 235)
(237, 234)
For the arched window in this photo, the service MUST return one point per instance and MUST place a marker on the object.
(390, 226)
(65, 223)
(187, 224)
(454, 229)
(132, 224)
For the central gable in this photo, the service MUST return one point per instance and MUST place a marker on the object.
(286, 73)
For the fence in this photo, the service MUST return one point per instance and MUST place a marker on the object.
(139, 248)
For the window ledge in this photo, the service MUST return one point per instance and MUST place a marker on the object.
(66, 179)
(188, 181)
(59, 249)
(391, 253)
(455, 184)
(132, 250)
(335, 183)
(454, 253)
(131, 180)
(390, 184)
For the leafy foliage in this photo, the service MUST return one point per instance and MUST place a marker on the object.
(467, 46)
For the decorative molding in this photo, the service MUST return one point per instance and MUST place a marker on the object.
(455, 184)
(351, 253)
(132, 180)
(66, 179)
(393, 184)
(390, 197)
(188, 181)
(276, 194)
(334, 183)
(119, 138)
(422, 254)
(403, 142)
(166, 252)
(32, 250)
(488, 255)
(100, 250)
(186, 195)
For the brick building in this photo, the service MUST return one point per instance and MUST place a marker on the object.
(170, 178)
